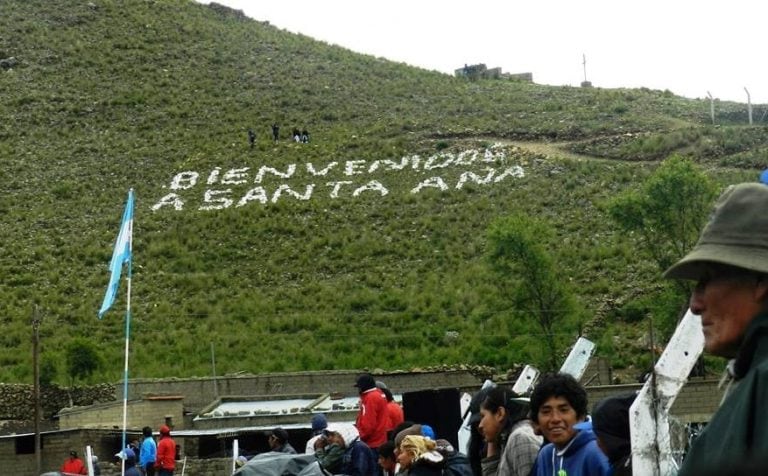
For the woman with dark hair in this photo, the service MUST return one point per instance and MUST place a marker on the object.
(511, 442)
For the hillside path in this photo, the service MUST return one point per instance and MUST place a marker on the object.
(550, 149)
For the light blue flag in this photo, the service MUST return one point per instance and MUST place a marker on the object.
(121, 255)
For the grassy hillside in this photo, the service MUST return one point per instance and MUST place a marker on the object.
(363, 248)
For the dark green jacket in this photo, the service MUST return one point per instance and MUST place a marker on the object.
(739, 428)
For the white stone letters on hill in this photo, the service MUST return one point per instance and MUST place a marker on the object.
(246, 186)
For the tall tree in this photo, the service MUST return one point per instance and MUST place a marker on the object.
(517, 254)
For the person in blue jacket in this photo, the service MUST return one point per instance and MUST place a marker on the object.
(148, 452)
(558, 404)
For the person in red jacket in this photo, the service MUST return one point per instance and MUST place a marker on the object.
(372, 419)
(395, 414)
(73, 465)
(166, 453)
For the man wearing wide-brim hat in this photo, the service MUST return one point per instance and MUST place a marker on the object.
(730, 266)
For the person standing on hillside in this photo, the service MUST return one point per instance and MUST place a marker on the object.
(251, 138)
(372, 419)
(148, 452)
(166, 453)
(729, 264)
(275, 132)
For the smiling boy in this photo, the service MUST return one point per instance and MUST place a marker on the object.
(559, 402)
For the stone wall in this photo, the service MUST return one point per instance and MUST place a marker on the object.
(17, 402)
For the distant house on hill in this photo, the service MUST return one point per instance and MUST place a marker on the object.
(480, 71)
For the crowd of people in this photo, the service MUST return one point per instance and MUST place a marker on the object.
(550, 432)
(145, 458)
(546, 434)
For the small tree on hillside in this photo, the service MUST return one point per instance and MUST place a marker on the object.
(668, 210)
(82, 359)
(517, 254)
(667, 213)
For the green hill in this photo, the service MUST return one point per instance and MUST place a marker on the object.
(362, 248)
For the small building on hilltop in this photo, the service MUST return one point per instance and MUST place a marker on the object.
(481, 71)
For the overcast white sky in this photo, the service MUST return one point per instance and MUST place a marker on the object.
(689, 47)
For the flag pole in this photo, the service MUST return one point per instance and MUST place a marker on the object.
(127, 346)
(122, 253)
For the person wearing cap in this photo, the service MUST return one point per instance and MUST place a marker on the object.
(558, 403)
(610, 423)
(73, 464)
(148, 452)
(372, 419)
(129, 456)
(165, 463)
(278, 442)
(729, 264)
(511, 443)
(319, 423)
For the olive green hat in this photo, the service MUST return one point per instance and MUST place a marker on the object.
(736, 235)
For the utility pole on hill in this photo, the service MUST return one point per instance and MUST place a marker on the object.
(749, 105)
(711, 107)
(37, 319)
(585, 83)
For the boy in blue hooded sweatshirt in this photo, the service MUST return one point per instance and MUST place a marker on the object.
(558, 403)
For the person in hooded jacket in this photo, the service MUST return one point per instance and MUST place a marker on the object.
(342, 452)
(73, 464)
(456, 463)
(166, 453)
(418, 456)
(512, 444)
(372, 419)
(558, 404)
(610, 423)
(130, 462)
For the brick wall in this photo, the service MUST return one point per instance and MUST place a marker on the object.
(151, 412)
(696, 402)
(199, 392)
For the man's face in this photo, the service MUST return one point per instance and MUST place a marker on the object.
(727, 299)
(556, 419)
(387, 464)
